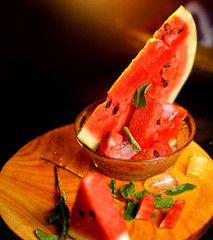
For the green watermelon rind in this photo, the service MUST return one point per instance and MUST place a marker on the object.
(87, 138)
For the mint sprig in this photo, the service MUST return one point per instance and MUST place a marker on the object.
(139, 98)
(180, 189)
(139, 195)
(46, 236)
(134, 143)
(165, 202)
(131, 210)
(128, 190)
(113, 188)
(59, 215)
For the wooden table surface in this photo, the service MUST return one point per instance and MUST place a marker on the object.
(28, 190)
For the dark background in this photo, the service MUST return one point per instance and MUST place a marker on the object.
(59, 56)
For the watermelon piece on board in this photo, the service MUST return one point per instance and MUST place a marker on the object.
(165, 62)
(146, 207)
(95, 214)
(173, 215)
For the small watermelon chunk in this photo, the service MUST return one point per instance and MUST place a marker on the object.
(158, 149)
(111, 142)
(95, 214)
(146, 207)
(165, 62)
(171, 122)
(173, 215)
(145, 122)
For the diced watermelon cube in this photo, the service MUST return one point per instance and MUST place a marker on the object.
(146, 207)
(171, 218)
(155, 150)
(145, 123)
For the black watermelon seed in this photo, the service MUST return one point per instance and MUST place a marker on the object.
(156, 153)
(158, 122)
(163, 37)
(92, 213)
(161, 71)
(115, 110)
(81, 213)
(181, 30)
(166, 27)
(108, 104)
(107, 134)
(165, 83)
(167, 65)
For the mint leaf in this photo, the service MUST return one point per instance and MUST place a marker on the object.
(134, 143)
(180, 189)
(139, 195)
(159, 201)
(153, 215)
(60, 215)
(113, 188)
(131, 210)
(128, 189)
(163, 202)
(46, 236)
(54, 216)
(139, 98)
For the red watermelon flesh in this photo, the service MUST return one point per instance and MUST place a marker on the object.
(165, 62)
(157, 149)
(145, 123)
(171, 122)
(153, 126)
(95, 214)
(110, 142)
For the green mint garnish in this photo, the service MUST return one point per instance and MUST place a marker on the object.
(160, 202)
(131, 210)
(139, 98)
(166, 202)
(59, 215)
(134, 143)
(153, 215)
(128, 190)
(113, 188)
(180, 189)
(139, 195)
(46, 236)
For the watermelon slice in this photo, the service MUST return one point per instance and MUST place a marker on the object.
(95, 214)
(165, 62)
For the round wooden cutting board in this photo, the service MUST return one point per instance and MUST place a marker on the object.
(28, 189)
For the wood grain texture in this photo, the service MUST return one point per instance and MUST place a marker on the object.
(28, 189)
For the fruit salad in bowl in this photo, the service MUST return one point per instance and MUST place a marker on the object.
(138, 131)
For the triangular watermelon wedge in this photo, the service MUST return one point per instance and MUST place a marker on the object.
(165, 62)
(95, 215)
